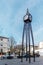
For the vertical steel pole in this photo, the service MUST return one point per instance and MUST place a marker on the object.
(29, 43)
(23, 43)
(26, 43)
(33, 44)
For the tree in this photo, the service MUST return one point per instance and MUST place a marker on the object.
(13, 42)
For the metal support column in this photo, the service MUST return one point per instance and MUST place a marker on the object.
(33, 44)
(23, 43)
(29, 45)
(26, 43)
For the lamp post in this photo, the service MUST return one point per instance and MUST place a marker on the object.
(27, 30)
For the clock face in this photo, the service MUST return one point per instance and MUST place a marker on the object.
(25, 17)
(30, 17)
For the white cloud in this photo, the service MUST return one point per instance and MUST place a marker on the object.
(38, 32)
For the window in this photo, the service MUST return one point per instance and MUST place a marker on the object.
(1, 45)
(1, 39)
(8, 39)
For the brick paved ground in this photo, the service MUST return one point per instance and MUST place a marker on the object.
(39, 61)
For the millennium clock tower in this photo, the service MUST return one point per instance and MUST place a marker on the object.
(27, 30)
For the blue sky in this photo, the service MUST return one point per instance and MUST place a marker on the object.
(11, 18)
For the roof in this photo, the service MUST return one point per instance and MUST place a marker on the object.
(4, 37)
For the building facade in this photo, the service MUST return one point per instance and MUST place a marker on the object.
(41, 48)
(4, 44)
(31, 49)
